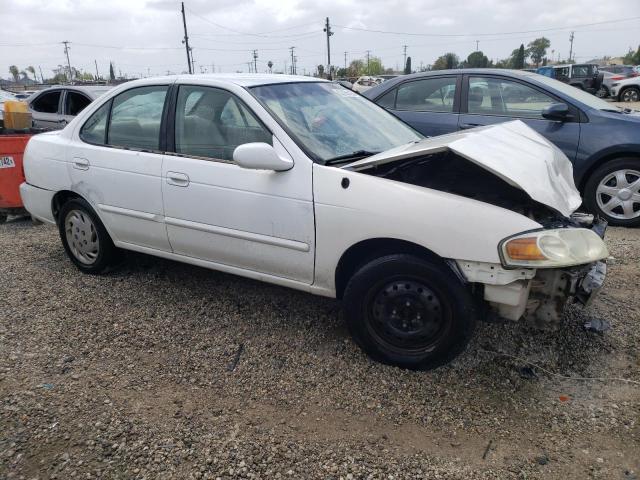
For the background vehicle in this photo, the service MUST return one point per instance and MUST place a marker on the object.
(365, 83)
(623, 71)
(584, 76)
(600, 139)
(627, 90)
(54, 107)
(298, 182)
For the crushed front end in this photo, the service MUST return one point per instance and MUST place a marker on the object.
(542, 272)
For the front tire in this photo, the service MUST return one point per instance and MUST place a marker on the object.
(84, 237)
(406, 311)
(613, 192)
(3, 218)
(630, 94)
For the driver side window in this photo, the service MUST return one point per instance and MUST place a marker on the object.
(428, 95)
(211, 123)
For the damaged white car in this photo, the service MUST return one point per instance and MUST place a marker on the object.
(305, 184)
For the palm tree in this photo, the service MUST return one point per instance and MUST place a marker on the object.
(15, 73)
(32, 70)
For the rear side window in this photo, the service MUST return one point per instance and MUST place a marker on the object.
(47, 102)
(135, 118)
(427, 95)
(94, 130)
(75, 103)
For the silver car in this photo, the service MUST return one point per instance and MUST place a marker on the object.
(54, 107)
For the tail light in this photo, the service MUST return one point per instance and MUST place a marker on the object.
(617, 77)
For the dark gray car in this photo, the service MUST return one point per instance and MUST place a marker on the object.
(601, 140)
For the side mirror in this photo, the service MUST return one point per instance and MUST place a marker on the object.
(556, 111)
(260, 156)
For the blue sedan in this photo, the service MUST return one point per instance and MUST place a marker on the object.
(601, 140)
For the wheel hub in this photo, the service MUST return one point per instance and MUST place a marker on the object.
(618, 194)
(407, 314)
(82, 237)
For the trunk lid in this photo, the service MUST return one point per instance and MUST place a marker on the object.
(512, 151)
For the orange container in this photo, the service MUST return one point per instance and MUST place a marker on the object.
(11, 171)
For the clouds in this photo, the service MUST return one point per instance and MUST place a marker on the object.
(97, 30)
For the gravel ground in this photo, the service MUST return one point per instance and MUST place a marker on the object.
(131, 375)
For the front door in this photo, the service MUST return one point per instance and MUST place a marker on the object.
(430, 105)
(215, 210)
(489, 100)
(46, 110)
(116, 164)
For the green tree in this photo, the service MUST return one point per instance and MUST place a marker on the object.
(632, 58)
(518, 57)
(320, 71)
(446, 62)
(375, 66)
(356, 68)
(112, 75)
(538, 49)
(15, 72)
(407, 67)
(476, 60)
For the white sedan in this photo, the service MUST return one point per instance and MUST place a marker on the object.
(303, 183)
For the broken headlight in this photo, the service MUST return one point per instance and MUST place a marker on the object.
(560, 247)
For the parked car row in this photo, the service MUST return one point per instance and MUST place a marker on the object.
(303, 183)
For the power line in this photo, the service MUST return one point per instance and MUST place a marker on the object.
(486, 34)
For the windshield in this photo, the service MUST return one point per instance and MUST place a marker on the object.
(329, 121)
(580, 95)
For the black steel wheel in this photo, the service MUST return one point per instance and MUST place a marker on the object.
(408, 311)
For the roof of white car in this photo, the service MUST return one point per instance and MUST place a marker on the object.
(241, 79)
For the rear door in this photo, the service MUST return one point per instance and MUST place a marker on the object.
(429, 104)
(488, 99)
(46, 109)
(116, 163)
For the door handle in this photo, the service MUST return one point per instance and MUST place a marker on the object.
(80, 163)
(178, 179)
(465, 126)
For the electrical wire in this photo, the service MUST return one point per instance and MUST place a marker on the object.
(485, 34)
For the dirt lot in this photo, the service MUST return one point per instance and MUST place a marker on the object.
(130, 375)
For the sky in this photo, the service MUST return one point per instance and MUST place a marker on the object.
(145, 37)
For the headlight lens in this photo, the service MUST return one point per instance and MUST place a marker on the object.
(561, 247)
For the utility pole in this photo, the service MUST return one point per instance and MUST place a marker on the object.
(255, 61)
(571, 48)
(293, 62)
(186, 41)
(404, 65)
(345, 61)
(327, 29)
(477, 43)
(368, 55)
(97, 75)
(66, 52)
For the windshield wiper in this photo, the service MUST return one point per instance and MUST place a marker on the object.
(357, 155)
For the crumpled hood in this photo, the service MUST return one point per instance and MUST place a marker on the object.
(512, 151)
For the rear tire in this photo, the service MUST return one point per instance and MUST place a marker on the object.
(84, 237)
(3, 218)
(406, 311)
(613, 192)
